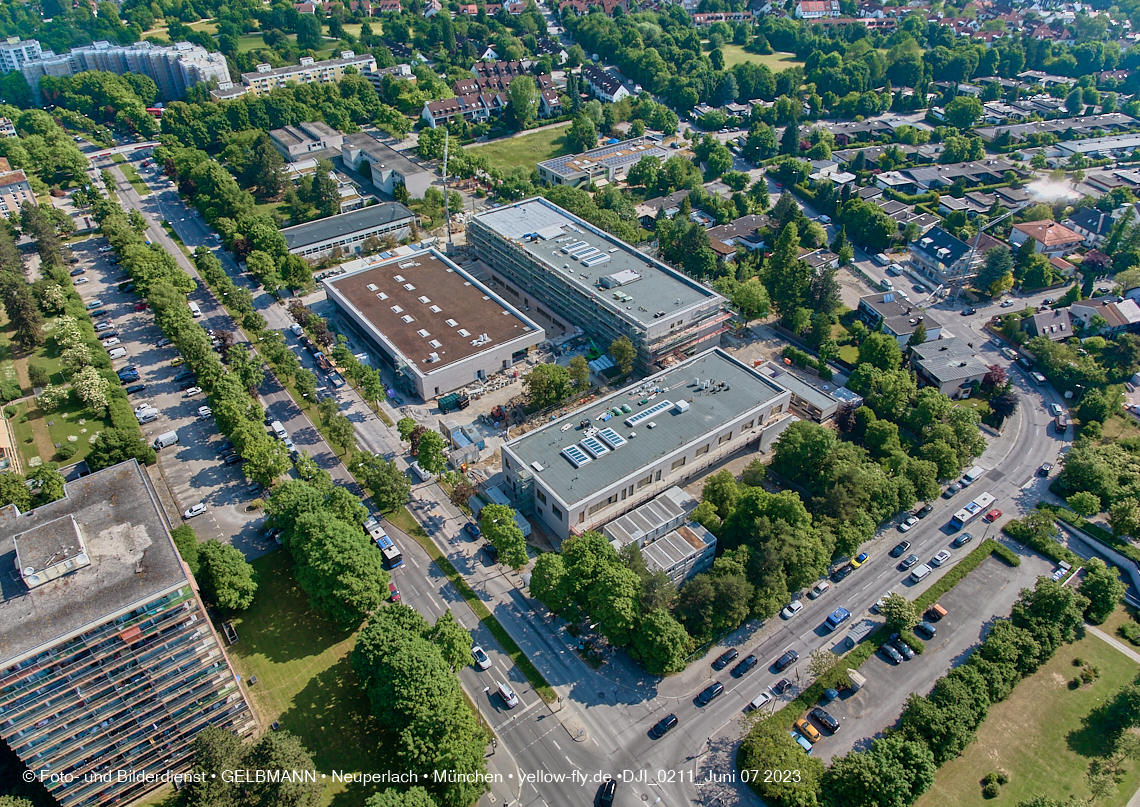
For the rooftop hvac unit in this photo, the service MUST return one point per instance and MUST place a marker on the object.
(681, 406)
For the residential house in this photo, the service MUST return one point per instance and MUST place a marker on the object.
(942, 257)
(476, 107)
(431, 8)
(466, 86)
(897, 316)
(1050, 237)
(730, 17)
(603, 84)
(1119, 313)
(502, 69)
(950, 365)
(647, 211)
(1095, 225)
(15, 190)
(549, 104)
(583, 7)
(545, 46)
(1053, 323)
(744, 232)
(816, 9)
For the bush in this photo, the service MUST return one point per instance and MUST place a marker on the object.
(992, 790)
(10, 390)
(964, 567)
(990, 778)
(38, 375)
(66, 451)
(1002, 778)
(1090, 674)
(1130, 631)
(10, 411)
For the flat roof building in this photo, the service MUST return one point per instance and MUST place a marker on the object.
(587, 278)
(308, 71)
(347, 232)
(436, 326)
(108, 661)
(610, 163)
(668, 541)
(387, 167)
(817, 404)
(589, 467)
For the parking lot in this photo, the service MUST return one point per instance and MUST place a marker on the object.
(986, 593)
(193, 471)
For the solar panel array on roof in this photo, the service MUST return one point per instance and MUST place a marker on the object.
(595, 260)
(645, 414)
(594, 447)
(612, 438)
(577, 456)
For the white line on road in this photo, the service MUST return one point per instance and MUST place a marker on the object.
(569, 760)
(556, 745)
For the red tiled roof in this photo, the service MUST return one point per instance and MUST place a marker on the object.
(1048, 232)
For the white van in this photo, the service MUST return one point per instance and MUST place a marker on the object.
(920, 572)
(421, 474)
(881, 259)
(886, 284)
(165, 440)
(195, 311)
(279, 430)
(118, 353)
(971, 476)
(296, 329)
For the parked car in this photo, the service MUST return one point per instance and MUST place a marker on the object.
(1055, 409)
(925, 511)
(481, 659)
(393, 593)
(196, 510)
(129, 378)
(1045, 469)
(81, 280)
(808, 730)
(725, 658)
(223, 447)
(819, 589)
(904, 649)
(920, 573)
(992, 516)
(713, 690)
(233, 459)
(492, 552)
(906, 525)
(802, 741)
(825, 719)
(662, 726)
(952, 490)
(892, 654)
(191, 392)
(781, 686)
(78, 272)
(942, 556)
(859, 560)
(472, 530)
(1007, 304)
(902, 547)
(130, 368)
(908, 561)
(791, 609)
(133, 388)
(114, 340)
(204, 411)
(925, 629)
(962, 540)
(839, 574)
(606, 797)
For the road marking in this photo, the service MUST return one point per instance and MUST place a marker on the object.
(568, 759)
(556, 745)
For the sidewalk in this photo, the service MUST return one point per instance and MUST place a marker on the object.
(1123, 648)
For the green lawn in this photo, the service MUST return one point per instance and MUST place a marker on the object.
(133, 177)
(118, 158)
(1122, 615)
(849, 354)
(735, 54)
(982, 407)
(305, 680)
(72, 419)
(247, 42)
(527, 150)
(1038, 738)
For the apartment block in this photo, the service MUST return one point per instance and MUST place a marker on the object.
(108, 663)
(309, 71)
(15, 51)
(581, 276)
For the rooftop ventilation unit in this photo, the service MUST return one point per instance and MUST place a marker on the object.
(372, 287)
(594, 447)
(681, 406)
(577, 456)
(398, 278)
(641, 417)
(425, 300)
(612, 438)
(382, 296)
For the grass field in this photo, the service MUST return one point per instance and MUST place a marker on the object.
(305, 680)
(1037, 736)
(735, 54)
(1122, 615)
(526, 150)
(132, 176)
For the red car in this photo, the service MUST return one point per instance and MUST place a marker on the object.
(992, 516)
(393, 593)
(141, 306)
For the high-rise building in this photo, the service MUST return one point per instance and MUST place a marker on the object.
(174, 68)
(15, 51)
(109, 666)
(586, 278)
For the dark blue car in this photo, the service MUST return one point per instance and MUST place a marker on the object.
(472, 530)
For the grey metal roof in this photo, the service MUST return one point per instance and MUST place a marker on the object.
(801, 389)
(384, 155)
(345, 224)
(948, 360)
(659, 289)
(132, 559)
(611, 156)
(707, 414)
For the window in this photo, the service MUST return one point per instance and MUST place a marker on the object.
(724, 438)
(582, 517)
(702, 450)
(604, 504)
(677, 464)
(747, 425)
(646, 481)
(556, 512)
(541, 496)
(775, 410)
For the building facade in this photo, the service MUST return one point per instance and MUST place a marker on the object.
(15, 51)
(267, 78)
(610, 162)
(896, 316)
(386, 166)
(942, 257)
(14, 191)
(582, 276)
(347, 232)
(108, 660)
(668, 541)
(434, 325)
(1050, 238)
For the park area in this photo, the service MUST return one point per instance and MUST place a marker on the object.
(305, 680)
(1038, 736)
(736, 54)
(525, 150)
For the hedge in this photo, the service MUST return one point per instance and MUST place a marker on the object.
(965, 566)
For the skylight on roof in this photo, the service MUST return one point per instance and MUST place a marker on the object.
(464, 332)
(424, 300)
(382, 296)
(451, 323)
(409, 287)
(398, 278)
(408, 318)
(397, 309)
(435, 309)
(435, 343)
(423, 333)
